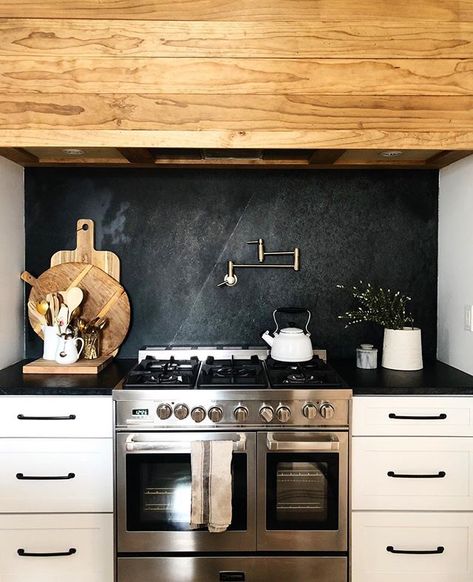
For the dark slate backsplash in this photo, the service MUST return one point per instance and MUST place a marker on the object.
(174, 230)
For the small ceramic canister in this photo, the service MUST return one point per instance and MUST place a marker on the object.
(367, 357)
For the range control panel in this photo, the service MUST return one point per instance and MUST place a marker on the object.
(174, 413)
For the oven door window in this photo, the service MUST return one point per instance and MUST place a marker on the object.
(158, 492)
(302, 491)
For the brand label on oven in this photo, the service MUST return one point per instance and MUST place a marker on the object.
(140, 412)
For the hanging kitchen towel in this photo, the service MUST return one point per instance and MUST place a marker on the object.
(211, 485)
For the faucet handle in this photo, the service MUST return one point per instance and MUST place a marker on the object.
(260, 244)
(228, 281)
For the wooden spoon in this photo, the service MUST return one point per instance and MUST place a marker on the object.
(73, 297)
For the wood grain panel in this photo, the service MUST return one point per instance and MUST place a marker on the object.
(302, 139)
(233, 76)
(441, 10)
(206, 112)
(298, 39)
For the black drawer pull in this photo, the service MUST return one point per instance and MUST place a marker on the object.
(21, 552)
(439, 475)
(441, 416)
(439, 550)
(69, 417)
(44, 477)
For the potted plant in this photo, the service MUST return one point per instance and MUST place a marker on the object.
(402, 346)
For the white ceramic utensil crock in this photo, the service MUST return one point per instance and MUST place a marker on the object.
(67, 352)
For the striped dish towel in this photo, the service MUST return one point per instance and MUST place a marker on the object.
(211, 485)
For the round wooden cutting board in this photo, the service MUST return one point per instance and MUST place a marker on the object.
(103, 297)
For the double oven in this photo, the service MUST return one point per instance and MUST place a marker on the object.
(289, 501)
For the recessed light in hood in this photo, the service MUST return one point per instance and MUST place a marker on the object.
(73, 152)
(391, 154)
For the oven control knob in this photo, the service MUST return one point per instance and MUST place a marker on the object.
(240, 413)
(327, 411)
(181, 411)
(215, 414)
(266, 414)
(198, 414)
(309, 411)
(164, 411)
(283, 413)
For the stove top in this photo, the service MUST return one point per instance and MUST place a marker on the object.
(226, 368)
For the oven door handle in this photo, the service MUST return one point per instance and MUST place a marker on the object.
(315, 444)
(163, 446)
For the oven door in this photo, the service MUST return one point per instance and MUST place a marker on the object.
(154, 494)
(302, 491)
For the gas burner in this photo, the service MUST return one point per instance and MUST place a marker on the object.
(151, 373)
(234, 371)
(231, 371)
(298, 378)
(302, 374)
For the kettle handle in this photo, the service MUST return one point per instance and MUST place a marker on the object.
(292, 310)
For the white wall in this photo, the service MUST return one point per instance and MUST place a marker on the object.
(12, 260)
(455, 290)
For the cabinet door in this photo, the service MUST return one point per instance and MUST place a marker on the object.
(56, 548)
(56, 475)
(56, 416)
(398, 473)
(412, 547)
(412, 416)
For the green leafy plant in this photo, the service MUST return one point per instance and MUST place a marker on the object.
(384, 307)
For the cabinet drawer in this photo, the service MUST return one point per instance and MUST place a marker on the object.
(79, 475)
(412, 473)
(91, 536)
(412, 416)
(373, 533)
(56, 416)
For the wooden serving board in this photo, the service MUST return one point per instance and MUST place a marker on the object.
(86, 253)
(80, 367)
(103, 297)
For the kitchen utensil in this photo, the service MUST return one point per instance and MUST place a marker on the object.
(62, 320)
(35, 315)
(73, 297)
(105, 298)
(67, 352)
(290, 344)
(86, 253)
(42, 307)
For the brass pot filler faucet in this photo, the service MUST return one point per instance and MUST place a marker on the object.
(230, 279)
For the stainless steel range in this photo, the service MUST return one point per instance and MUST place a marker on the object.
(289, 427)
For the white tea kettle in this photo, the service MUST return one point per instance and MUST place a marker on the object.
(290, 344)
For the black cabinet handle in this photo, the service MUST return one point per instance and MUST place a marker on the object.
(439, 550)
(439, 475)
(24, 554)
(69, 417)
(441, 416)
(44, 477)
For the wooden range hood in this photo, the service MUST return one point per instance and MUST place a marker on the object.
(218, 83)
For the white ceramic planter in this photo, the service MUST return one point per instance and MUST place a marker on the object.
(402, 349)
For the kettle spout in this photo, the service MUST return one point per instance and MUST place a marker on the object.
(268, 338)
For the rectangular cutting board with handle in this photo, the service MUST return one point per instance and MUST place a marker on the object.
(86, 253)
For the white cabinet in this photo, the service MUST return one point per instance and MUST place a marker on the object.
(412, 489)
(56, 416)
(83, 540)
(56, 475)
(412, 416)
(56, 489)
(381, 540)
(393, 473)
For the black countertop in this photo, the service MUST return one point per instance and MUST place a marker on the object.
(435, 379)
(14, 382)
